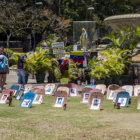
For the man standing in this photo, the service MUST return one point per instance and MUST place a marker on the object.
(20, 65)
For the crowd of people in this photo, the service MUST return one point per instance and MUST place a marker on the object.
(4, 68)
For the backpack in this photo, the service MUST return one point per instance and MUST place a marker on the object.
(3, 63)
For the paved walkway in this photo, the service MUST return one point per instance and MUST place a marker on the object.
(12, 78)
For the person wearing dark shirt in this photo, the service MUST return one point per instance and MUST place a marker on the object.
(20, 65)
(3, 74)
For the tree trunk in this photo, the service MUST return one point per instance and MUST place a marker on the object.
(8, 41)
(59, 12)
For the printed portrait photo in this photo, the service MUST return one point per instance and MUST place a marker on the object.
(95, 104)
(14, 92)
(37, 99)
(25, 102)
(4, 98)
(19, 95)
(48, 90)
(122, 101)
(85, 97)
(111, 95)
(59, 102)
(73, 92)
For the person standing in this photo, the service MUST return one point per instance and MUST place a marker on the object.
(3, 68)
(20, 65)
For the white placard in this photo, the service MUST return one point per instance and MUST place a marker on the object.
(58, 45)
(73, 92)
(122, 101)
(59, 102)
(95, 104)
(85, 97)
(3, 99)
(25, 102)
(74, 47)
(37, 99)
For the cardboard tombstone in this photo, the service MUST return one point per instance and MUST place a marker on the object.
(63, 88)
(94, 91)
(27, 88)
(95, 101)
(27, 100)
(116, 92)
(4, 96)
(136, 90)
(85, 95)
(73, 90)
(110, 91)
(60, 98)
(49, 89)
(90, 86)
(122, 98)
(15, 89)
(39, 95)
(129, 89)
(20, 93)
(102, 88)
(138, 104)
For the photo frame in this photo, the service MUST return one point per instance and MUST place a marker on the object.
(85, 95)
(73, 90)
(49, 89)
(59, 102)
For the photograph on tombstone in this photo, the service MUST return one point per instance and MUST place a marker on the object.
(73, 92)
(26, 103)
(38, 99)
(110, 91)
(122, 98)
(95, 104)
(95, 101)
(85, 95)
(129, 89)
(136, 90)
(49, 88)
(4, 98)
(73, 89)
(59, 102)
(15, 89)
(122, 101)
(21, 92)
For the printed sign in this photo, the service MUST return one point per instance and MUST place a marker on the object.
(4, 98)
(59, 102)
(27, 100)
(58, 48)
(122, 98)
(95, 104)
(38, 99)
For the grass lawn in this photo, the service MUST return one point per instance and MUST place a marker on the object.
(44, 122)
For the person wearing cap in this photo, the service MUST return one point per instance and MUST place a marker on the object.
(20, 65)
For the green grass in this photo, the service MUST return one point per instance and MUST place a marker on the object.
(44, 122)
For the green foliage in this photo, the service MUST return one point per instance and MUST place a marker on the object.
(38, 62)
(114, 62)
(127, 38)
